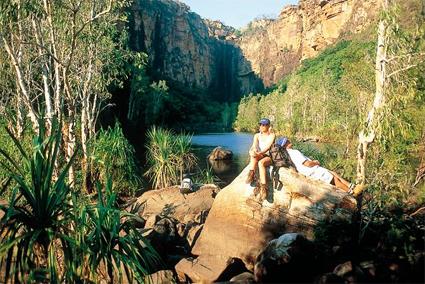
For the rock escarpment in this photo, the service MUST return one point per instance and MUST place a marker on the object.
(211, 56)
(184, 48)
(276, 47)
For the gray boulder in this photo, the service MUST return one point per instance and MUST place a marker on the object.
(289, 258)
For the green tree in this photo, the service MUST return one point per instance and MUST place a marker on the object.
(63, 55)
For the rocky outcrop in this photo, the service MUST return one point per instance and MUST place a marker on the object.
(169, 202)
(302, 31)
(186, 49)
(274, 47)
(324, 21)
(172, 221)
(239, 227)
(289, 258)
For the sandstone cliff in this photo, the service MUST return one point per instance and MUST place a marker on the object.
(302, 31)
(185, 48)
(208, 55)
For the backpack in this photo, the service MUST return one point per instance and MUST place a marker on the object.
(280, 158)
(186, 185)
(279, 155)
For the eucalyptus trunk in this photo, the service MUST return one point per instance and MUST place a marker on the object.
(20, 80)
(70, 147)
(19, 127)
(44, 74)
(367, 135)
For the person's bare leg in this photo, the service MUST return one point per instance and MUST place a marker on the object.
(262, 165)
(340, 184)
(341, 180)
(252, 163)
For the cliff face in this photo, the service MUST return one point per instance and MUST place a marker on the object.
(302, 31)
(187, 49)
(273, 46)
(209, 55)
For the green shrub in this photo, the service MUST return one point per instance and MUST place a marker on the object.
(205, 176)
(112, 155)
(49, 234)
(8, 145)
(168, 156)
(34, 228)
(108, 241)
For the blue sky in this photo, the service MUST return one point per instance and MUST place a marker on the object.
(237, 13)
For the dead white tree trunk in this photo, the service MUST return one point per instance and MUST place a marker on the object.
(367, 135)
(44, 74)
(21, 84)
(19, 128)
(71, 142)
(56, 63)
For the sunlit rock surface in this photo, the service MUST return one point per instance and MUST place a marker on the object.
(275, 47)
(209, 55)
(239, 227)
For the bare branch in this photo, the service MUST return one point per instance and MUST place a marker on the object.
(401, 70)
(93, 18)
(416, 212)
(406, 55)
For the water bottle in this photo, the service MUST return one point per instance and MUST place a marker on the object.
(186, 185)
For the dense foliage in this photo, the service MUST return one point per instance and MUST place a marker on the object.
(50, 233)
(320, 98)
(169, 156)
(112, 155)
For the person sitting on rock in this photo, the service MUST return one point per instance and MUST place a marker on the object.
(259, 155)
(312, 169)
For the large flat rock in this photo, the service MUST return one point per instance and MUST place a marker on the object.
(170, 202)
(239, 226)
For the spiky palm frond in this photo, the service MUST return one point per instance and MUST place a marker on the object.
(35, 218)
(113, 242)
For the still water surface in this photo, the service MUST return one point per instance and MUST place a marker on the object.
(236, 142)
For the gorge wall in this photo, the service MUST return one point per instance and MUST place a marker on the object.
(187, 49)
(276, 47)
(208, 55)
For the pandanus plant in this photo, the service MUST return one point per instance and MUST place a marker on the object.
(35, 226)
(168, 156)
(49, 234)
(110, 243)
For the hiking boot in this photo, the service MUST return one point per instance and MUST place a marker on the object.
(251, 176)
(263, 191)
(358, 189)
(256, 190)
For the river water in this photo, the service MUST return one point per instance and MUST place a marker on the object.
(238, 143)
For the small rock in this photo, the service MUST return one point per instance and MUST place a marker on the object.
(162, 276)
(286, 259)
(246, 277)
(220, 153)
(343, 268)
